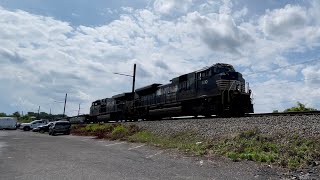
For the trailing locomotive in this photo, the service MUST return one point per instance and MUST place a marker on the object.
(215, 90)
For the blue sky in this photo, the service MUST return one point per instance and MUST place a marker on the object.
(76, 12)
(49, 48)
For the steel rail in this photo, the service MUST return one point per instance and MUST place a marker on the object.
(284, 114)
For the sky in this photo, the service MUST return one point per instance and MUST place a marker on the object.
(49, 48)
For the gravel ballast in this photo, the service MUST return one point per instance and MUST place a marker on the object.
(306, 126)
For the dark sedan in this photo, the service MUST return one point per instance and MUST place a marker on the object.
(45, 128)
(63, 127)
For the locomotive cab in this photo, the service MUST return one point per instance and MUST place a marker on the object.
(95, 107)
(222, 91)
(235, 99)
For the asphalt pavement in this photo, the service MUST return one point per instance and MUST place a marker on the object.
(33, 156)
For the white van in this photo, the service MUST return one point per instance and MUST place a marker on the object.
(8, 123)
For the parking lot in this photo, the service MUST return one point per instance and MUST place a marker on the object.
(31, 155)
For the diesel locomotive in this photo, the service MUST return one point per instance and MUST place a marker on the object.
(216, 90)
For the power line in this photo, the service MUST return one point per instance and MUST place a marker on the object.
(286, 82)
(283, 67)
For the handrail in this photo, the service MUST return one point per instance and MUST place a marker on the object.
(229, 91)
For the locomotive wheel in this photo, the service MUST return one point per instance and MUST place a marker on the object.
(238, 114)
(223, 115)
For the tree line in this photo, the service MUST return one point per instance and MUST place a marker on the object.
(298, 108)
(30, 116)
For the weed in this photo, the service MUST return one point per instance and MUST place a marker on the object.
(252, 145)
(133, 129)
(142, 136)
(233, 155)
(293, 162)
(119, 132)
(249, 133)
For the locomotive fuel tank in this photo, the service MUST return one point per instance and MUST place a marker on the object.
(105, 117)
(172, 111)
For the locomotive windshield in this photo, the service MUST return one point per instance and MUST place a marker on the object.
(224, 68)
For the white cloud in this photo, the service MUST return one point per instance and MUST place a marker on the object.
(172, 6)
(221, 34)
(241, 13)
(283, 22)
(312, 76)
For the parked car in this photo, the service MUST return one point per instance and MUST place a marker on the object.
(36, 129)
(45, 128)
(33, 124)
(8, 123)
(63, 127)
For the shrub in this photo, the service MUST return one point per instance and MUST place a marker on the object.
(249, 133)
(133, 129)
(119, 132)
(233, 156)
(142, 136)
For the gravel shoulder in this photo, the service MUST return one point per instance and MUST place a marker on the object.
(306, 126)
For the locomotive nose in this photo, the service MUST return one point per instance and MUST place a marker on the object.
(230, 81)
(230, 76)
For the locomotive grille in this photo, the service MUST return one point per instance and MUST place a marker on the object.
(231, 85)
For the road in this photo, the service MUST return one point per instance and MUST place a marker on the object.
(30, 155)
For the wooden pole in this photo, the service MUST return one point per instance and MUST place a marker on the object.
(65, 102)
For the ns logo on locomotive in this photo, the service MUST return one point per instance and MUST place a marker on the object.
(215, 90)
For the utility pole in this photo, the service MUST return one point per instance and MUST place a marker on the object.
(133, 77)
(65, 102)
(79, 110)
(38, 112)
(133, 80)
(50, 115)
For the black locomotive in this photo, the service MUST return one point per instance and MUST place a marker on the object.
(216, 90)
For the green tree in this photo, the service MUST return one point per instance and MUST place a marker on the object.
(25, 119)
(299, 108)
(275, 111)
(16, 114)
(3, 114)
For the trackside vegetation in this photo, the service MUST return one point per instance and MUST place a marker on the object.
(282, 150)
(298, 108)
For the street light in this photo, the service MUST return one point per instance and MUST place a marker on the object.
(133, 78)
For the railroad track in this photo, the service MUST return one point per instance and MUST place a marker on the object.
(284, 114)
(257, 115)
(247, 115)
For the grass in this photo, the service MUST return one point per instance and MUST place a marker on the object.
(292, 152)
(282, 150)
(185, 141)
(119, 132)
(104, 131)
